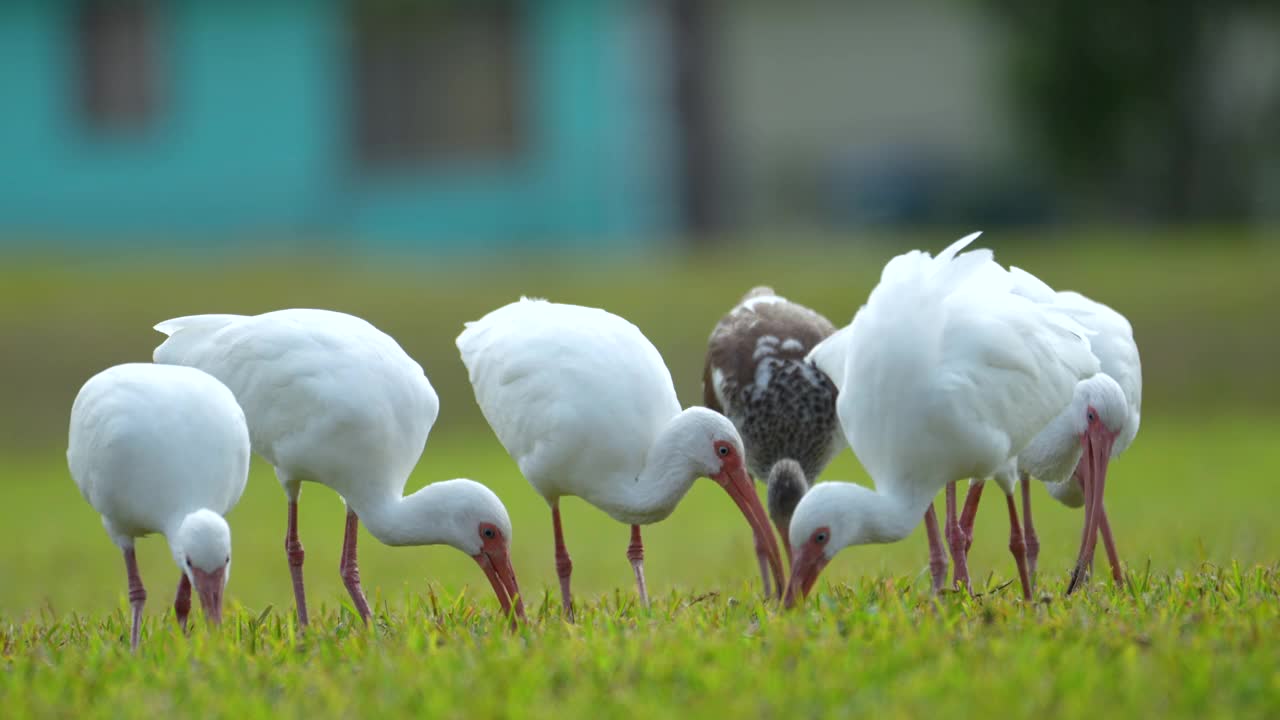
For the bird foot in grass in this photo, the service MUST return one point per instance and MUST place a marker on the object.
(1078, 580)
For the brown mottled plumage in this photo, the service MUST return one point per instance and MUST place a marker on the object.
(783, 406)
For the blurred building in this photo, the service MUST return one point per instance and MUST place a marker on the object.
(499, 123)
(867, 111)
(392, 121)
(990, 112)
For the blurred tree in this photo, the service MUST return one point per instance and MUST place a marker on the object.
(1118, 97)
(693, 24)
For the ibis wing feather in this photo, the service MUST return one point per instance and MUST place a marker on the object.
(830, 355)
(326, 394)
(759, 375)
(709, 398)
(955, 373)
(1117, 352)
(568, 390)
(150, 443)
(763, 327)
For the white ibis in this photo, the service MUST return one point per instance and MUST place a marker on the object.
(758, 376)
(955, 374)
(331, 399)
(1071, 454)
(158, 449)
(584, 404)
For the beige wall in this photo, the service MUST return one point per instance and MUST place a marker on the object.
(800, 81)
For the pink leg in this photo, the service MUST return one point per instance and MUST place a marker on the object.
(1018, 546)
(635, 553)
(1080, 577)
(937, 555)
(955, 538)
(293, 550)
(1117, 574)
(1028, 529)
(350, 570)
(137, 595)
(762, 557)
(970, 514)
(182, 602)
(564, 566)
(1095, 547)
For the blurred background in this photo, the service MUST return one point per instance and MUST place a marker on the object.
(420, 162)
(443, 124)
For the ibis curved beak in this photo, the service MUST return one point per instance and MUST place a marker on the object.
(209, 587)
(805, 569)
(738, 484)
(496, 563)
(1092, 471)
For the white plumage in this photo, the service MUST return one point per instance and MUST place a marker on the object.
(158, 449)
(1104, 415)
(584, 404)
(331, 399)
(757, 374)
(954, 373)
(573, 392)
(1111, 339)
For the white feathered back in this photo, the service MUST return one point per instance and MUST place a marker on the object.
(327, 395)
(568, 390)
(959, 372)
(1117, 352)
(150, 444)
(1110, 337)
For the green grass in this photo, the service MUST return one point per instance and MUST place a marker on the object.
(1201, 645)
(1185, 494)
(1195, 638)
(1190, 502)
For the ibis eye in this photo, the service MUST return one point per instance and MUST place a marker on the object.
(820, 538)
(188, 562)
(724, 450)
(488, 533)
(1092, 416)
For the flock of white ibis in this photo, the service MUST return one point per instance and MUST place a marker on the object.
(955, 368)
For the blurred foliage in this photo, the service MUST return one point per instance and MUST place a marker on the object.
(1118, 97)
(1197, 301)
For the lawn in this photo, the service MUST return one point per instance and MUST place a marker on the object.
(1193, 635)
(1202, 646)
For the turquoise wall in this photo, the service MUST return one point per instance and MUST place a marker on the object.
(252, 140)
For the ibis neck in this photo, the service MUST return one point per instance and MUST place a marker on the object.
(1069, 492)
(172, 536)
(422, 518)
(654, 493)
(1052, 455)
(171, 532)
(885, 517)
